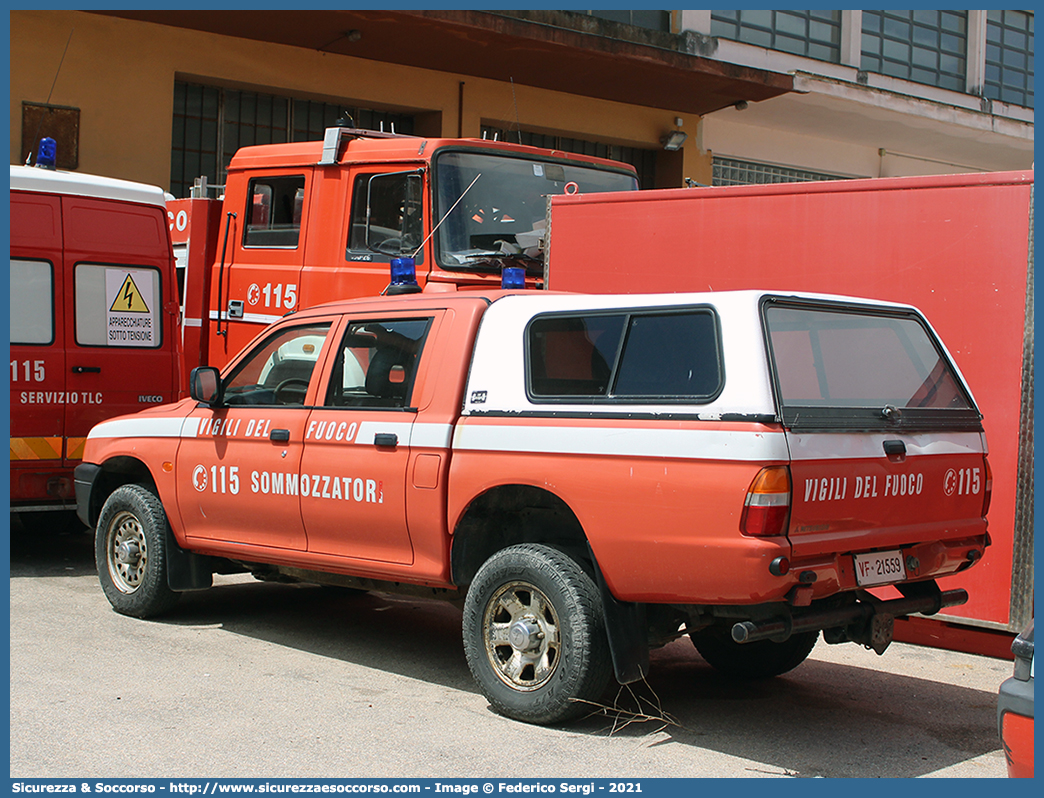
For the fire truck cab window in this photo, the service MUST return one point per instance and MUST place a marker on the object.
(279, 369)
(376, 364)
(386, 215)
(32, 302)
(273, 213)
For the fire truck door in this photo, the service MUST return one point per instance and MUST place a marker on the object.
(258, 278)
(238, 466)
(357, 444)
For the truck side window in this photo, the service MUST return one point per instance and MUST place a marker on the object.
(573, 355)
(386, 214)
(118, 306)
(273, 213)
(377, 363)
(279, 370)
(671, 355)
(648, 356)
(32, 302)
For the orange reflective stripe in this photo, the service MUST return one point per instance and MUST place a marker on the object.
(36, 448)
(74, 448)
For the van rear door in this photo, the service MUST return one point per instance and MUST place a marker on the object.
(886, 443)
(120, 338)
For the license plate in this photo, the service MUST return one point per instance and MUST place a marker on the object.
(879, 568)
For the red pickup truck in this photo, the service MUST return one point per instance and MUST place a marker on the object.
(591, 475)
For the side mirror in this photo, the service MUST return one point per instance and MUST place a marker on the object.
(205, 385)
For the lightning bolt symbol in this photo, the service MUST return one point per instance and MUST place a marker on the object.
(128, 294)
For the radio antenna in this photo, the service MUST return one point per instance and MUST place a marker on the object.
(445, 215)
(39, 125)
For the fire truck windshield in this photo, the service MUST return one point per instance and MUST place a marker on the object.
(503, 213)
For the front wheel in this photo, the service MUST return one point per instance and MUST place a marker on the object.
(130, 551)
(534, 635)
(761, 659)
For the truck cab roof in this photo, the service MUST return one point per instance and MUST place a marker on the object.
(374, 147)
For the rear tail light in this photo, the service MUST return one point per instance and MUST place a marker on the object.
(988, 488)
(766, 510)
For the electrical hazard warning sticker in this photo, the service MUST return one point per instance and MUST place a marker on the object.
(129, 299)
(131, 318)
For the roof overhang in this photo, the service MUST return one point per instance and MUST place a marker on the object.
(555, 50)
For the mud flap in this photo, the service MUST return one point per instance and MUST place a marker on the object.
(185, 570)
(626, 626)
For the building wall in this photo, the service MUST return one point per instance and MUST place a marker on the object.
(849, 122)
(121, 74)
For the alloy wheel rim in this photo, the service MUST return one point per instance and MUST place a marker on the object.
(523, 642)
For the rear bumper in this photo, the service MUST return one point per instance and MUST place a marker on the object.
(836, 573)
(1015, 696)
(39, 482)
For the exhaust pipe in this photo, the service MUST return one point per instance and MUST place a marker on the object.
(868, 613)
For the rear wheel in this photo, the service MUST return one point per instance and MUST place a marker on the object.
(130, 552)
(761, 659)
(534, 635)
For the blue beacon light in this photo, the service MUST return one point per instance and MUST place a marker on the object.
(47, 154)
(403, 276)
(513, 277)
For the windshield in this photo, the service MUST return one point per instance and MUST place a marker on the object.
(503, 212)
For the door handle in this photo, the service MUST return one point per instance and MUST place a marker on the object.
(895, 450)
(279, 436)
(86, 369)
(386, 439)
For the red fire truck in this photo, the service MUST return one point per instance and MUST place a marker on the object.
(305, 223)
(94, 322)
(959, 247)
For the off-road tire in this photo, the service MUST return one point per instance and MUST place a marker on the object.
(130, 550)
(761, 659)
(538, 598)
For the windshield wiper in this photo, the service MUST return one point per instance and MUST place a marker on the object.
(497, 261)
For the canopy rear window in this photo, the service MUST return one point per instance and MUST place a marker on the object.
(845, 367)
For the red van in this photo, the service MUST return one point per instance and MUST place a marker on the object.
(94, 322)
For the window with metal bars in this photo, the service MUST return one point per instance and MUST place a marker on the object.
(925, 46)
(655, 20)
(211, 123)
(815, 34)
(735, 172)
(643, 160)
(1009, 57)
